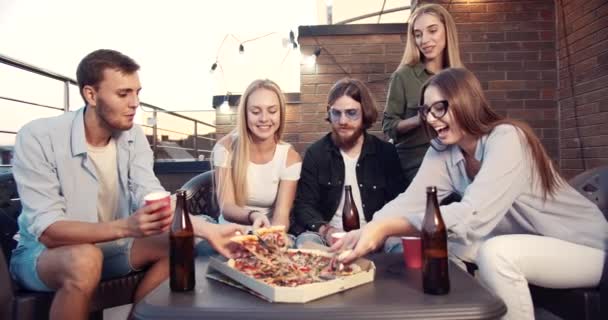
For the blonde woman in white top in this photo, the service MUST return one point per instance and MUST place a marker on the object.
(256, 173)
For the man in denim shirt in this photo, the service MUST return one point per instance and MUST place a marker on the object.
(346, 156)
(82, 177)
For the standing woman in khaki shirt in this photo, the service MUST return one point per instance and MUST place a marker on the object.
(432, 45)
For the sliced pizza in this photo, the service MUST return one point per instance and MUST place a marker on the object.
(252, 245)
(275, 237)
(305, 266)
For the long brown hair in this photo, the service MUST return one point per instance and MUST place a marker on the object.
(358, 91)
(412, 55)
(470, 109)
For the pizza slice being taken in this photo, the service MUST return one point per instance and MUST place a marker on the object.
(275, 237)
(264, 242)
(252, 245)
(275, 240)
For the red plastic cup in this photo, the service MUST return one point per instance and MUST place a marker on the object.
(163, 197)
(412, 252)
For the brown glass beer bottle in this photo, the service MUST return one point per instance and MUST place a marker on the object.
(435, 277)
(181, 255)
(350, 214)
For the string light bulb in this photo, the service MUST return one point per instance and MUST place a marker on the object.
(292, 39)
(213, 67)
(241, 49)
(312, 59)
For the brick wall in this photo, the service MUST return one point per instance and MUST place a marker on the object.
(224, 122)
(370, 58)
(583, 83)
(509, 45)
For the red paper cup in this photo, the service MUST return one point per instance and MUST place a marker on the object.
(159, 196)
(412, 252)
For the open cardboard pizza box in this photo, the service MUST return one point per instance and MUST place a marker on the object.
(299, 294)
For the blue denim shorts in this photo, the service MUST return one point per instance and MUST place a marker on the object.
(309, 236)
(116, 262)
(116, 258)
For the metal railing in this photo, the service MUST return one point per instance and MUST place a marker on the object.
(200, 144)
(196, 148)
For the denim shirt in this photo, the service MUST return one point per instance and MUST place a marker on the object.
(502, 198)
(57, 181)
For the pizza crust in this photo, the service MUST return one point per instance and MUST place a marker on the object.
(278, 229)
(243, 238)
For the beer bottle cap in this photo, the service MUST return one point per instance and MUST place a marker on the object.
(431, 189)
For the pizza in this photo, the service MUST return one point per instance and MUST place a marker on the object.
(272, 242)
(274, 236)
(274, 264)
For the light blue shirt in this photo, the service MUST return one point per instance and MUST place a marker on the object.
(502, 199)
(57, 181)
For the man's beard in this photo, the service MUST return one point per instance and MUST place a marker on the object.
(347, 142)
(104, 114)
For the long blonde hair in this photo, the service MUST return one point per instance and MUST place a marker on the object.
(412, 55)
(470, 109)
(239, 139)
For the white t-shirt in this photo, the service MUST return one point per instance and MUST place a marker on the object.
(262, 179)
(350, 178)
(105, 163)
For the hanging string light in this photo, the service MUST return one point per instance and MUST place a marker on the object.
(292, 39)
(242, 58)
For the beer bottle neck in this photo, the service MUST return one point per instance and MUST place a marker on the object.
(181, 219)
(181, 201)
(431, 199)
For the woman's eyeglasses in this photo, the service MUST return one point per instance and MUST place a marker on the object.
(351, 114)
(437, 109)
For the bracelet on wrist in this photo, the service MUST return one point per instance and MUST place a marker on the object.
(249, 215)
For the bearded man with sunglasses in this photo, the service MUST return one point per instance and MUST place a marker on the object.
(348, 155)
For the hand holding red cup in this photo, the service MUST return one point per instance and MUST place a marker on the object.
(163, 197)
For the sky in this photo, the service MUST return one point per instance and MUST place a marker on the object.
(175, 42)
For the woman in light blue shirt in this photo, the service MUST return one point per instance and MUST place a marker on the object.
(518, 220)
